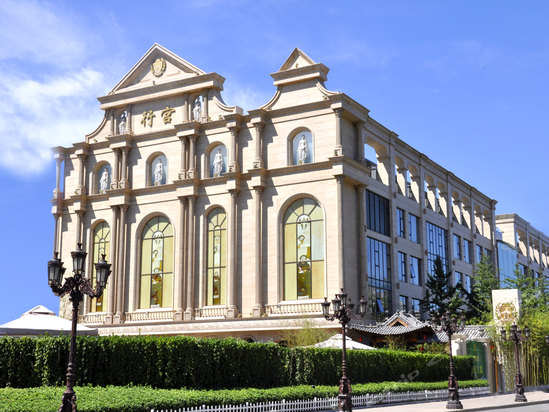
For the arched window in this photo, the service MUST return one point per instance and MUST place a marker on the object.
(157, 264)
(217, 257)
(101, 246)
(303, 148)
(218, 161)
(158, 171)
(304, 251)
(103, 179)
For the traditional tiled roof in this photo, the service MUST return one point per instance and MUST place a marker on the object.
(471, 332)
(398, 324)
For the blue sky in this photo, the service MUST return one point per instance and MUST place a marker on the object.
(464, 82)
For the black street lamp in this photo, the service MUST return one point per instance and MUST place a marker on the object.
(343, 312)
(76, 286)
(517, 337)
(450, 326)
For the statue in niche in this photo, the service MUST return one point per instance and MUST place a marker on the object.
(104, 181)
(218, 164)
(302, 150)
(122, 126)
(197, 109)
(158, 173)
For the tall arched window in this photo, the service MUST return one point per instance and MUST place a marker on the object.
(158, 171)
(304, 251)
(217, 257)
(157, 264)
(303, 148)
(103, 179)
(218, 161)
(101, 246)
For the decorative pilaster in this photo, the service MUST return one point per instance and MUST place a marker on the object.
(363, 267)
(120, 266)
(338, 149)
(258, 306)
(258, 160)
(57, 194)
(205, 105)
(191, 173)
(233, 154)
(359, 127)
(81, 188)
(190, 259)
(232, 311)
(124, 183)
(179, 297)
(115, 169)
(112, 284)
(339, 187)
(183, 170)
(186, 107)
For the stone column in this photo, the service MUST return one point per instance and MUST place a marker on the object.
(180, 274)
(363, 267)
(338, 150)
(359, 126)
(57, 191)
(186, 107)
(205, 105)
(191, 173)
(258, 160)
(113, 279)
(231, 257)
(183, 169)
(129, 123)
(81, 189)
(112, 123)
(340, 269)
(124, 169)
(120, 266)
(115, 168)
(79, 214)
(233, 153)
(258, 306)
(56, 247)
(190, 260)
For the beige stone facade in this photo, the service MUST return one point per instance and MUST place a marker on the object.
(165, 110)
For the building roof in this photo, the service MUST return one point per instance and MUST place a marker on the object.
(398, 324)
(471, 332)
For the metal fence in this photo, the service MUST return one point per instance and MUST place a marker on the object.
(323, 404)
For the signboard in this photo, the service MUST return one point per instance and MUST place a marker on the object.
(506, 306)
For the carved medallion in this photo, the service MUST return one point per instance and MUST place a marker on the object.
(158, 67)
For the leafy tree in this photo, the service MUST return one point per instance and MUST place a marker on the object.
(441, 296)
(480, 297)
(533, 291)
(307, 333)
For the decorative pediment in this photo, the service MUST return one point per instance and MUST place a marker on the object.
(297, 59)
(158, 65)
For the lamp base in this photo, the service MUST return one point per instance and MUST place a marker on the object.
(454, 405)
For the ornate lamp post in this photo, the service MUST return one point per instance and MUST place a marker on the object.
(343, 312)
(76, 286)
(517, 337)
(450, 326)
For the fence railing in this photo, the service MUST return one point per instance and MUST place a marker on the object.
(324, 404)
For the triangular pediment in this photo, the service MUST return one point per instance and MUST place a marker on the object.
(297, 59)
(158, 65)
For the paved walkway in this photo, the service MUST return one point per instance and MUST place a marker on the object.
(494, 402)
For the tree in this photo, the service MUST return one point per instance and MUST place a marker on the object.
(533, 291)
(441, 296)
(480, 297)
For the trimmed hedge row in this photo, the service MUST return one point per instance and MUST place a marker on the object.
(143, 399)
(186, 362)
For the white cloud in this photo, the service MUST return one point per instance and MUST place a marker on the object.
(244, 96)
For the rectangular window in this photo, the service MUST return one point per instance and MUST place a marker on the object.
(402, 267)
(400, 222)
(523, 270)
(403, 303)
(457, 247)
(415, 271)
(377, 213)
(416, 307)
(478, 252)
(379, 278)
(468, 283)
(413, 228)
(458, 278)
(437, 239)
(467, 251)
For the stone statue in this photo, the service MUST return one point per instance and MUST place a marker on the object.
(302, 150)
(122, 128)
(218, 164)
(104, 181)
(158, 173)
(197, 109)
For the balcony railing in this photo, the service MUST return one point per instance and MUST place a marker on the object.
(153, 315)
(92, 318)
(289, 309)
(211, 312)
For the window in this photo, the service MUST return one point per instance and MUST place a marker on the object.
(457, 247)
(436, 246)
(159, 171)
(468, 283)
(402, 266)
(467, 251)
(379, 279)
(157, 264)
(416, 304)
(377, 215)
(303, 148)
(103, 179)
(304, 251)
(413, 228)
(507, 260)
(216, 257)
(218, 161)
(400, 222)
(478, 252)
(101, 246)
(415, 271)
(458, 278)
(403, 303)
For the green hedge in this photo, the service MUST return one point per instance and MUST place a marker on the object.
(143, 399)
(185, 362)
